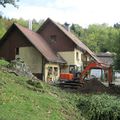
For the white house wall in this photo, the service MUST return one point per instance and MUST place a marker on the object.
(32, 58)
(68, 56)
(71, 59)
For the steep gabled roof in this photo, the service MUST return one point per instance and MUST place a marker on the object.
(72, 37)
(38, 42)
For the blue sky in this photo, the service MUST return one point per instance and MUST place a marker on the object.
(82, 12)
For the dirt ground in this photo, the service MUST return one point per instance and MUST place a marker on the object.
(92, 86)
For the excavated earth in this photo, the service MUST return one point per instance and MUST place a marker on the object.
(89, 86)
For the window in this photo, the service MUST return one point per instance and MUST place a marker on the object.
(17, 51)
(83, 57)
(77, 56)
(53, 38)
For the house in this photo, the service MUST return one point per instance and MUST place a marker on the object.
(106, 57)
(48, 52)
(66, 44)
(31, 48)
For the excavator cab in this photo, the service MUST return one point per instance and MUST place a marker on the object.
(75, 70)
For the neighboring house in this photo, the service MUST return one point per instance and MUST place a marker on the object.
(106, 57)
(49, 51)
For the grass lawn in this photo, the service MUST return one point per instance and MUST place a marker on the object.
(22, 101)
(25, 99)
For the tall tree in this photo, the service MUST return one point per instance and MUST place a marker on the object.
(12, 2)
(117, 51)
(117, 25)
(98, 37)
(77, 29)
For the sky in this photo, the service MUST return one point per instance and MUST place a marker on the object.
(82, 12)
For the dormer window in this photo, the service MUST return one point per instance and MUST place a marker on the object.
(53, 39)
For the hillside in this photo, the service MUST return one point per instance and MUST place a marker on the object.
(23, 99)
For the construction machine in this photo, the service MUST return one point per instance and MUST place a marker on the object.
(74, 74)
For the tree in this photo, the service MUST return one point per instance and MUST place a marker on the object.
(98, 37)
(12, 2)
(117, 51)
(78, 30)
(117, 25)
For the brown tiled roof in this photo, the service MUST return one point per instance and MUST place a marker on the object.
(74, 39)
(40, 44)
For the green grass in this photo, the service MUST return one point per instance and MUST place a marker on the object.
(3, 63)
(25, 99)
(19, 100)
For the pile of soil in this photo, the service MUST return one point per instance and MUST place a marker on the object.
(114, 89)
(93, 86)
(89, 86)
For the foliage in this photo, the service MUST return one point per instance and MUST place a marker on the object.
(12, 2)
(3, 63)
(98, 37)
(2, 28)
(78, 30)
(117, 62)
(117, 51)
(5, 23)
(100, 107)
(117, 25)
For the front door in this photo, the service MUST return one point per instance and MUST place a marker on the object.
(52, 72)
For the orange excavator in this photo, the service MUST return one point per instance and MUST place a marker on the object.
(93, 65)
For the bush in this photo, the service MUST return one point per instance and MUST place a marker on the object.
(3, 63)
(100, 107)
(34, 83)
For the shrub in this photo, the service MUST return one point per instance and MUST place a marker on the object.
(3, 63)
(100, 107)
(34, 83)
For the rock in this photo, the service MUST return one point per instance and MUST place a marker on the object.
(19, 67)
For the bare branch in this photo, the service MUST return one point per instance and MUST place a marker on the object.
(12, 2)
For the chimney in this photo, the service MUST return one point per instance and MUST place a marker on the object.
(30, 24)
(66, 25)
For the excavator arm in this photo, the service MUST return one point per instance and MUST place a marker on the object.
(96, 65)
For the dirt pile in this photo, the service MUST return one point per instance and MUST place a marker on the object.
(93, 86)
(89, 86)
(114, 89)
